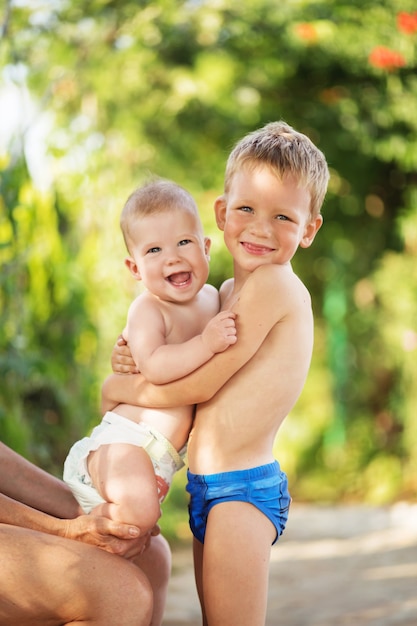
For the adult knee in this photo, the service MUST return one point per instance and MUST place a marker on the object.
(136, 590)
(162, 558)
(155, 562)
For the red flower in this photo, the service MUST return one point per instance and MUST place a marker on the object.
(385, 58)
(306, 31)
(407, 22)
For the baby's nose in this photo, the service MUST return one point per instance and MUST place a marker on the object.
(172, 258)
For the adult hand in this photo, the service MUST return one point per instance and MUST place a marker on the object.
(136, 548)
(121, 358)
(114, 537)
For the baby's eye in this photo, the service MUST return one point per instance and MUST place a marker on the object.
(184, 242)
(154, 250)
(283, 218)
(246, 209)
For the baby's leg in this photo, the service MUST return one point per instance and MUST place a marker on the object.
(237, 550)
(124, 476)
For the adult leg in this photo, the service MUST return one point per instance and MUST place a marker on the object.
(237, 551)
(50, 580)
(155, 562)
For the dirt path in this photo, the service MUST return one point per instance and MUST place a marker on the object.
(334, 566)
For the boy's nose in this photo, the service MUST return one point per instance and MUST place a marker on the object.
(261, 228)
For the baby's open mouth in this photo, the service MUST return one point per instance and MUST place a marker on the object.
(179, 279)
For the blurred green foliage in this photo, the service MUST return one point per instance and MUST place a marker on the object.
(110, 91)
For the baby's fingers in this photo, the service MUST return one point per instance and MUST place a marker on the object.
(228, 314)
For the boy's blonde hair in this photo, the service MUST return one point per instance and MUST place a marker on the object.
(286, 152)
(155, 196)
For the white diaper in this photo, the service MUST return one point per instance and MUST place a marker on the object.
(117, 429)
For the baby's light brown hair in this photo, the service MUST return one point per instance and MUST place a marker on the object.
(155, 196)
(288, 153)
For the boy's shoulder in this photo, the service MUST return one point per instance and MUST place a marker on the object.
(271, 275)
(272, 281)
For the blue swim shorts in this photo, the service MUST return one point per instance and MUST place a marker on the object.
(266, 487)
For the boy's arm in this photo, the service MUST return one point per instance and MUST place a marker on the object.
(160, 362)
(263, 301)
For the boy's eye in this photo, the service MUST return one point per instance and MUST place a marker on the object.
(184, 242)
(246, 209)
(283, 218)
(153, 250)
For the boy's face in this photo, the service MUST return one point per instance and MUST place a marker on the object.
(170, 255)
(265, 219)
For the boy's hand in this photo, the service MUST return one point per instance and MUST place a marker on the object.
(121, 358)
(220, 332)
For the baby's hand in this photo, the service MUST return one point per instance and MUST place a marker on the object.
(220, 332)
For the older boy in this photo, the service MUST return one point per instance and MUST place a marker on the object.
(275, 184)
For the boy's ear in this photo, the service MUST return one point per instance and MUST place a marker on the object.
(133, 268)
(310, 231)
(220, 211)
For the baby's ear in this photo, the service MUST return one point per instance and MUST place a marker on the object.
(133, 268)
(310, 231)
(207, 246)
(220, 211)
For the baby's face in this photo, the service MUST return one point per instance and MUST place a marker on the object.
(171, 254)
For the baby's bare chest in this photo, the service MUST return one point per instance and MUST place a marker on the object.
(185, 324)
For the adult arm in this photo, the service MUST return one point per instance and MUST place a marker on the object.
(97, 531)
(32, 498)
(262, 302)
(23, 481)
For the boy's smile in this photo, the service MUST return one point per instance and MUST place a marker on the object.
(255, 249)
(265, 219)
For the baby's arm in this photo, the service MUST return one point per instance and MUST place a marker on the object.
(161, 362)
(260, 306)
